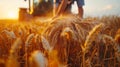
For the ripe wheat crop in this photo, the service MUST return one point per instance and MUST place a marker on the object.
(63, 42)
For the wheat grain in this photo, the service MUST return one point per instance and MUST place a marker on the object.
(10, 33)
(68, 33)
(28, 41)
(46, 44)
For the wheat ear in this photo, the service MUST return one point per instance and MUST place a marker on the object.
(91, 37)
(46, 44)
(11, 34)
(13, 54)
(27, 44)
(38, 59)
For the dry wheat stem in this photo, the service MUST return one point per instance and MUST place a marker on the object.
(115, 46)
(91, 37)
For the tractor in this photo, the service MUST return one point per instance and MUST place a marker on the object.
(37, 8)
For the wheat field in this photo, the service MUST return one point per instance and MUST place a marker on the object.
(63, 42)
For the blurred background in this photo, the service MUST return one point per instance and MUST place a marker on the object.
(9, 8)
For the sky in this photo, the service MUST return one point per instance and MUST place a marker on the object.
(9, 8)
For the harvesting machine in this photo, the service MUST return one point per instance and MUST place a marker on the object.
(37, 8)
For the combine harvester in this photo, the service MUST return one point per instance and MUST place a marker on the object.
(37, 8)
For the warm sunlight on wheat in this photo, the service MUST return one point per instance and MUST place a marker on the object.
(63, 42)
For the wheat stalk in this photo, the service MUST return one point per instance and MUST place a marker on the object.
(13, 54)
(2, 63)
(81, 33)
(115, 46)
(27, 44)
(16, 45)
(88, 63)
(91, 37)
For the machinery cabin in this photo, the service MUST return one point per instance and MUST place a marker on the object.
(37, 8)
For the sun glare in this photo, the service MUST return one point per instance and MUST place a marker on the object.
(12, 15)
